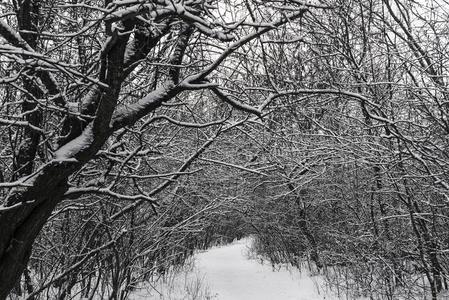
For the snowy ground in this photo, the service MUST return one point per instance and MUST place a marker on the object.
(232, 276)
(226, 273)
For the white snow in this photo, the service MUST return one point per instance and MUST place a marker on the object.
(226, 273)
(232, 276)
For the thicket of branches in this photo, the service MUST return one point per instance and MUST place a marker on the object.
(134, 132)
(360, 183)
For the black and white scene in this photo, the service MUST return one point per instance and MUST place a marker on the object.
(224, 149)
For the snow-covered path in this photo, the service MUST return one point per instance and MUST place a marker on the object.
(232, 276)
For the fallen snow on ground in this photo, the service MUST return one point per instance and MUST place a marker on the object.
(226, 273)
(230, 275)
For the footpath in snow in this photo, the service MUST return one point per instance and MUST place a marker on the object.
(226, 273)
(230, 275)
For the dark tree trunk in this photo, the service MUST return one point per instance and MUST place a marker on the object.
(19, 230)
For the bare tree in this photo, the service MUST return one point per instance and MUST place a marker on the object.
(79, 82)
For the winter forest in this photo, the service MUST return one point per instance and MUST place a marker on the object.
(136, 132)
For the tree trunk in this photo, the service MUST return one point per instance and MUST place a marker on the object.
(20, 226)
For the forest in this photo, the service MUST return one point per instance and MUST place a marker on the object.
(135, 132)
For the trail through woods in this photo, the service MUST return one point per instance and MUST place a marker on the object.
(226, 273)
(232, 276)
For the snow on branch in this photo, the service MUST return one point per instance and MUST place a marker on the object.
(46, 62)
(241, 42)
(164, 8)
(186, 124)
(77, 192)
(16, 40)
(128, 115)
(219, 162)
(236, 104)
(20, 123)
